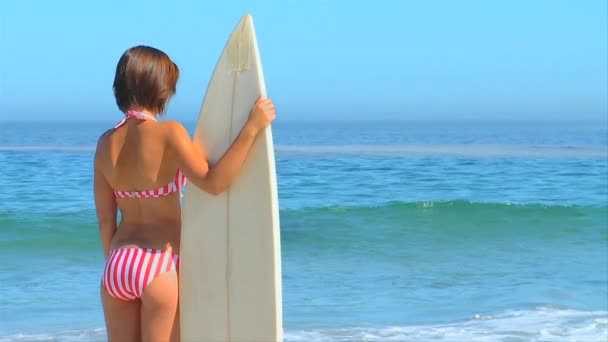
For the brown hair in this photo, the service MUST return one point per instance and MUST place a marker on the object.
(146, 78)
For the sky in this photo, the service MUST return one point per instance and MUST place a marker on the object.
(322, 60)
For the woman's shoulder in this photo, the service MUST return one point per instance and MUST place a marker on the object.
(174, 129)
(172, 124)
(104, 137)
(102, 142)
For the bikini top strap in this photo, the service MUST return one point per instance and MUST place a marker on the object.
(134, 115)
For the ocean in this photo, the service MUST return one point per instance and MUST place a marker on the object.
(391, 231)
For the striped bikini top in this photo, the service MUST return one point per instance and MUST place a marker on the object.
(174, 186)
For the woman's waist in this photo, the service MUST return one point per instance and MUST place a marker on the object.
(134, 249)
(155, 236)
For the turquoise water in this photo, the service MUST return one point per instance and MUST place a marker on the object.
(413, 231)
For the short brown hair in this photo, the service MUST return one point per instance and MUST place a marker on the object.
(146, 78)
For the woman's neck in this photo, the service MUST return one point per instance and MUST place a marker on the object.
(146, 113)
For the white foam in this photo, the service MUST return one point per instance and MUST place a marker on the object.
(91, 335)
(543, 324)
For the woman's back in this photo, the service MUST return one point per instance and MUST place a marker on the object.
(137, 164)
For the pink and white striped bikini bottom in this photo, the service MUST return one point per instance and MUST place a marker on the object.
(129, 271)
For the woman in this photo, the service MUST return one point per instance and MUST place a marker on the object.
(140, 168)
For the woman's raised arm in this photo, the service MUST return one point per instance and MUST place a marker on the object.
(191, 158)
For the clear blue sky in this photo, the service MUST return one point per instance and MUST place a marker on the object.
(322, 59)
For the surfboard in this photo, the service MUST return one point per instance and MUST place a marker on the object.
(230, 272)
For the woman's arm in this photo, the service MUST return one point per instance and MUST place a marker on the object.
(191, 158)
(105, 206)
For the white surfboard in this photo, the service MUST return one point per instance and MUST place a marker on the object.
(230, 275)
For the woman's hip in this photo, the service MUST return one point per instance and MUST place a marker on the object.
(129, 270)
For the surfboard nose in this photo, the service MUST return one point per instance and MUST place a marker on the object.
(240, 44)
(245, 22)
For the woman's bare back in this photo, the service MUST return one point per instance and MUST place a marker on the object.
(135, 157)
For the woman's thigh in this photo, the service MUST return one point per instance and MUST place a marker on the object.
(159, 309)
(122, 318)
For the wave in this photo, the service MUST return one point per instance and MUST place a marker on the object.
(394, 225)
(346, 226)
(453, 212)
(413, 150)
(456, 205)
(541, 324)
(73, 231)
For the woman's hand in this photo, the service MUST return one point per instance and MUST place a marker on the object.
(216, 179)
(261, 115)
